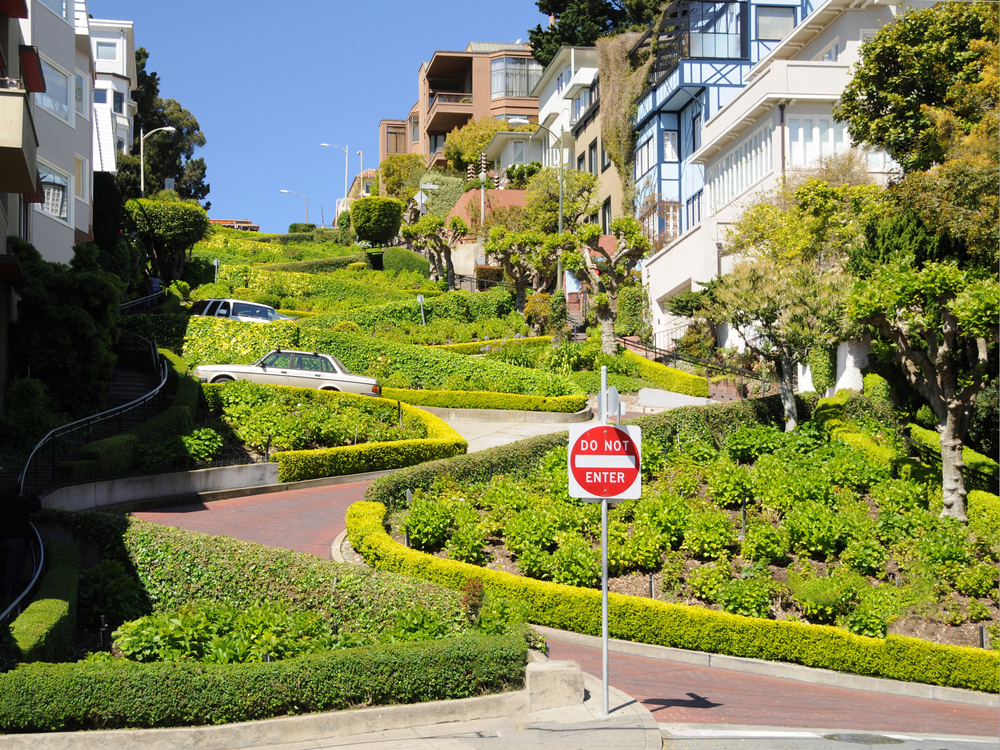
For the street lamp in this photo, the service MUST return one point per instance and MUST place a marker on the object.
(562, 130)
(344, 149)
(142, 154)
(361, 179)
(301, 196)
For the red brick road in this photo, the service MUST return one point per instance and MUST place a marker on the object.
(685, 694)
(301, 520)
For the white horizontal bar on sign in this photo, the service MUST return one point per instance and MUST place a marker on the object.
(605, 462)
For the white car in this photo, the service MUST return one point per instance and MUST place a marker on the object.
(299, 369)
(237, 309)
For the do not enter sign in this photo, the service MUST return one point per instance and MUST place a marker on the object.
(605, 462)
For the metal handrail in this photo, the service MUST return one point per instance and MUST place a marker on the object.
(475, 281)
(34, 579)
(706, 363)
(127, 308)
(159, 364)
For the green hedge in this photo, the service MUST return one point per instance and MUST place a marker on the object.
(400, 259)
(645, 620)
(318, 265)
(932, 439)
(122, 694)
(44, 631)
(480, 347)
(668, 378)
(487, 400)
(833, 414)
(441, 442)
(167, 330)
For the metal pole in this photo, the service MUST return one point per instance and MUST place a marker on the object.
(142, 164)
(346, 165)
(604, 598)
(559, 265)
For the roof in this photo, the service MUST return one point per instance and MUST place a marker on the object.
(497, 47)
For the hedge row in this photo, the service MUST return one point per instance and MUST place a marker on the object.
(459, 306)
(46, 697)
(44, 631)
(983, 510)
(318, 265)
(487, 400)
(680, 626)
(481, 347)
(441, 442)
(668, 378)
(832, 413)
(932, 439)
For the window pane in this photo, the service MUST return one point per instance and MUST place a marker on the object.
(100, 96)
(119, 105)
(774, 24)
(78, 179)
(79, 94)
(56, 95)
(107, 51)
(670, 145)
(715, 30)
(55, 187)
(59, 7)
(518, 152)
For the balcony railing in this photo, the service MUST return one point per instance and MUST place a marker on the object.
(448, 97)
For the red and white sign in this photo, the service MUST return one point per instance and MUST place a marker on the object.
(605, 462)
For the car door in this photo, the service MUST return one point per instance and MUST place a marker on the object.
(273, 369)
(308, 371)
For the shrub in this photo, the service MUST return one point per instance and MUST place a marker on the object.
(983, 510)
(400, 259)
(44, 631)
(747, 444)
(668, 378)
(765, 543)
(824, 598)
(709, 534)
(977, 580)
(429, 523)
(932, 439)
(301, 228)
(865, 556)
(728, 483)
(575, 562)
(814, 528)
(376, 220)
(108, 590)
(706, 581)
(750, 595)
(665, 515)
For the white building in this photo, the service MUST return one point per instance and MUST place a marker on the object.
(113, 48)
(780, 122)
(63, 121)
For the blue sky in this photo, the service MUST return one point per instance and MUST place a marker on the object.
(269, 82)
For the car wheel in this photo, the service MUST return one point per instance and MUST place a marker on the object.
(223, 379)
(329, 388)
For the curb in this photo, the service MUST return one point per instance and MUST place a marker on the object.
(737, 732)
(335, 547)
(506, 415)
(781, 670)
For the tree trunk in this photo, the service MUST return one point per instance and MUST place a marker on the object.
(607, 319)
(787, 389)
(449, 269)
(953, 483)
(521, 290)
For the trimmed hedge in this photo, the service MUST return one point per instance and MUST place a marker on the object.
(481, 347)
(832, 413)
(123, 694)
(44, 631)
(441, 442)
(318, 265)
(668, 378)
(166, 330)
(400, 259)
(487, 400)
(932, 439)
(983, 510)
(650, 621)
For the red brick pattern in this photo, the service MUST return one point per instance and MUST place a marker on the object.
(681, 693)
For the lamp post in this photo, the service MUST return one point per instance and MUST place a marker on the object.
(562, 130)
(344, 149)
(361, 177)
(482, 199)
(142, 154)
(301, 196)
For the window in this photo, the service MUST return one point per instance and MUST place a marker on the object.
(119, 102)
(395, 140)
(592, 157)
(100, 96)
(605, 159)
(517, 152)
(774, 24)
(436, 142)
(670, 145)
(415, 128)
(606, 217)
(696, 132)
(120, 146)
(78, 95)
(717, 30)
(55, 98)
(694, 210)
(581, 163)
(59, 7)
(107, 51)
(513, 76)
(80, 179)
(813, 138)
(671, 213)
(743, 167)
(277, 359)
(645, 158)
(55, 187)
(831, 53)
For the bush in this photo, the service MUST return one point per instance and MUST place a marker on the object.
(932, 439)
(107, 590)
(748, 444)
(765, 543)
(749, 595)
(983, 510)
(814, 529)
(977, 580)
(706, 581)
(508, 346)
(709, 534)
(301, 228)
(400, 259)
(376, 220)
(44, 631)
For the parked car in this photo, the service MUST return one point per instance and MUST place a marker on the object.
(237, 309)
(300, 369)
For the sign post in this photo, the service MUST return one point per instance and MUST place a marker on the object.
(605, 463)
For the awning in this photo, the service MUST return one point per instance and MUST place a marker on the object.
(14, 8)
(31, 68)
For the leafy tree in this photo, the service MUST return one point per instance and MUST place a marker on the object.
(376, 220)
(168, 229)
(65, 328)
(437, 238)
(463, 145)
(581, 22)
(782, 311)
(401, 174)
(924, 59)
(607, 271)
(541, 198)
(529, 258)
(167, 154)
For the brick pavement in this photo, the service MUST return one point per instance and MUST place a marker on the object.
(682, 693)
(306, 520)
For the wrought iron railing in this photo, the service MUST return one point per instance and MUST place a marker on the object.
(476, 284)
(38, 564)
(138, 305)
(48, 446)
(974, 479)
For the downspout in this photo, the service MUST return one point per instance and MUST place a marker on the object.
(781, 121)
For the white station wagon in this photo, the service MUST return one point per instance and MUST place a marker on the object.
(299, 369)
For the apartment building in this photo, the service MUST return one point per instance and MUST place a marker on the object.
(113, 49)
(62, 118)
(487, 79)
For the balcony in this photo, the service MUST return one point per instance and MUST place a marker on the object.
(18, 142)
(447, 110)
